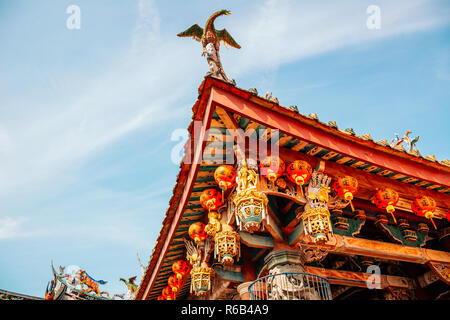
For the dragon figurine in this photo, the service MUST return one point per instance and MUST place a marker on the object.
(90, 283)
(210, 39)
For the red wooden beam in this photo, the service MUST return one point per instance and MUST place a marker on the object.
(320, 137)
(198, 152)
(383, 250)
(358, 279)
(368, 180)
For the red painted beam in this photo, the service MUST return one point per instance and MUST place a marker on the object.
(358, 279)
(320, 137)
(200, 145)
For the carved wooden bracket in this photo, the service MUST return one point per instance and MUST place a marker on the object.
(442, 270)
(395, 293)
(347, 226)
(402, 233)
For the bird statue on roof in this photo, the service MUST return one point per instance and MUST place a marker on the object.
(131, 286)
(411, 143)
(210, 39)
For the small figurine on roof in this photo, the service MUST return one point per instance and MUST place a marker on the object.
(210, 39)
(410, 143)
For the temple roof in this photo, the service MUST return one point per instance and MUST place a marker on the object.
(9, 295)
(341, 149)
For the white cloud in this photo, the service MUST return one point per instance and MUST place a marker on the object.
(282, 31)
(11, 228)
(442, 66)
(142, 86)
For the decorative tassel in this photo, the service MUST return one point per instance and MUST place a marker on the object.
(393, 217)
(433, 223)
(299, 187)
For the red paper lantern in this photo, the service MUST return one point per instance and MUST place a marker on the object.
(161, 298)
(175, 283)
(180, 268)
(424, 207)
(211, 199)
(168, 294)
(299, 173)
(225, 177)
(386, 198)
(346, 187)
(272, 168)
(197, 232)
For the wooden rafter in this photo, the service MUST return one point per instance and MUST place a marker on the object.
(321, 136)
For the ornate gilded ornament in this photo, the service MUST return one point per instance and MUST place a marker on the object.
(312, 253)
(316, 217)
(213, 225)
(201, 273)
(250, 204)
(201, 280)
(227, 247)
(210, 39)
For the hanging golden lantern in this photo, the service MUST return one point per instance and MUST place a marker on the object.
(250, 204)
(386, 198)
(211, 199)
(175, 283)
(227, 246)
(225, 177)
(251, 209)
(316, 223)
(272, 168)
(346, 187)
(424, 207)
(299, 173)
(197, 232)
(180, 268)
(201, 280)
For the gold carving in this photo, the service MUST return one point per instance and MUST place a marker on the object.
(201, 279)
(316, 217)
(250, 204)
(227, 247)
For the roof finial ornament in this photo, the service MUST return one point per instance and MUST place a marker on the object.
(410, 143)
(210, 39)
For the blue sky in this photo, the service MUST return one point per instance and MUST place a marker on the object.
(86, 115)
